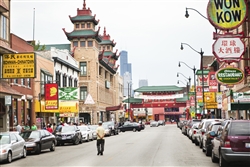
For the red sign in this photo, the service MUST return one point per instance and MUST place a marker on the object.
(51, 96)
(213, 84)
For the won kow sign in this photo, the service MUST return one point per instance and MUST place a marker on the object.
(226, 14)
(229, 76)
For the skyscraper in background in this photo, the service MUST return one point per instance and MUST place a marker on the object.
(126, 73)
(143, 82)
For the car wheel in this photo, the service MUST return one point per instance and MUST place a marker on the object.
(38, 149)
(81, 141)
(24, 152)
(9, 157)
(196, 142)
(134, 130)
(76, 142)
(208, 152)
(222, 161)
(200, 144)
(203, 150)
(52, 148)
(87, 138)
(213, 158)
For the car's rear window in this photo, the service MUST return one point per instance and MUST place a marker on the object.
(240, 129)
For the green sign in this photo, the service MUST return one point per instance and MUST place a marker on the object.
(68, 93)
(230, 76)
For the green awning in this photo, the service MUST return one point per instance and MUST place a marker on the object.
(240, 106)
(132, 100)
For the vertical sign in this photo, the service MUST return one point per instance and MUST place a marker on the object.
(51, 96)
(219, 100)
(213, 84)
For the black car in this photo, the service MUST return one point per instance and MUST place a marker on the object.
(68, 134)
(113, 127)
(131, 126)
(38, 140)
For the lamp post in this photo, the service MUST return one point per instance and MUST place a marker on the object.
(187, 84)
(194, 71)
(129, 95)
(201, 53)
(188, 78)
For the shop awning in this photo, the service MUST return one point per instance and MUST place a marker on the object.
(240, 106)
(114, 108)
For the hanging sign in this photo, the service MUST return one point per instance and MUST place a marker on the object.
(229, 76)
(51, 96)
(228, 48)
(226, 14)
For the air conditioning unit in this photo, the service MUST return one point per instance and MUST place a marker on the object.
(107, 84)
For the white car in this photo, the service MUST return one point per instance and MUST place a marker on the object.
(86, 132)
(154, 124)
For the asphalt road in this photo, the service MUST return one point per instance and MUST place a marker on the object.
(154, 146)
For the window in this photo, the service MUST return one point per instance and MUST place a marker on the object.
(83, 93)
(46, 77)
(22, 111)
(100, 70)
(75, 43)
(28, 82)
(77, 25)
(83, 68)
(83, 25)
(70, 82)
(108, 47)
(15, 81)
(82, 43)
(23, 82)
(3, 27)
(88, 25)
(75, 83)
(58, 79)
(64, 80)
(90, 43)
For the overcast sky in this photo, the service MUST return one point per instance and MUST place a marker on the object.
(151, 31)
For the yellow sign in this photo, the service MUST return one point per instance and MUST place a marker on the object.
(192, 114)
(64, 106)
(211, 105)
(19, 65)
(226, 14)
(209, 97)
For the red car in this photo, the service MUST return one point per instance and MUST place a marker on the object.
(231, 143)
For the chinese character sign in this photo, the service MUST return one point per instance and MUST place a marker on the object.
(213, 84)
(51, 96)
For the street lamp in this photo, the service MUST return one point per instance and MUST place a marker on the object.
(188, 78)
(194, 71)
(201, 53)
(187, 84)
(129, 95)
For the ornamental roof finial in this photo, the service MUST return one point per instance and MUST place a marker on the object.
(104, 32)
(84, 4)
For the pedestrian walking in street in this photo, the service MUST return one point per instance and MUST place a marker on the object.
(19, 128)
(100, 139)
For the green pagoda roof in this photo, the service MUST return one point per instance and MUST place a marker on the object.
(84, 18)
(184, 99)
(83, 34)
(159, 89)
(132, 100)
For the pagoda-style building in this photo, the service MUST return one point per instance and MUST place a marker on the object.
(97, 62)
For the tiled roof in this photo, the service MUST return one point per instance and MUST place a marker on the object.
(58, 46)
(132, 100)
(81, 33)
(106, 42)
(6, 88)
(158, 88)
(81, 18)
(108, 53)
(184, 99)
(207, 60)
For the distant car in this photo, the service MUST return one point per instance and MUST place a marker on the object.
(38, 140)
(161, 122)
(192, 131)
(12, 146)
(68, 134)
(93, 129)
(154, 124)
(131, 126)
(113, 127)
(107, 130)
(231, 143)
(87, 134)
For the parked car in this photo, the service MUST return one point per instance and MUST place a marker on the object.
(130, 126)
(192, 132)
(107, 130)
(190, 124)
(93, 129)
(154, 124)
(12, 146)
(68, 134)
(202, 129)
(207, 137)
(87, 133)
(113, 127)
(231, 143)
(161, 122)
(38, 140)
(182, 123)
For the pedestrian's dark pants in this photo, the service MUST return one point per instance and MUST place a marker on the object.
(100, 145)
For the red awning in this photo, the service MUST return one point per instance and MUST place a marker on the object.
(114, 108)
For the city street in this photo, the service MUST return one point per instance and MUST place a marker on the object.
(154, 146)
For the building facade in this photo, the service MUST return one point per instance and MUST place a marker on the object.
(97, 63)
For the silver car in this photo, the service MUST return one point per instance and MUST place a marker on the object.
(154, 124)
(12, 146)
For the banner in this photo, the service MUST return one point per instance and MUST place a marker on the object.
(68, 93)
(51, 96)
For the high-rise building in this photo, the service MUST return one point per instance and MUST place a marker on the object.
(124, 65)
(143, 82)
